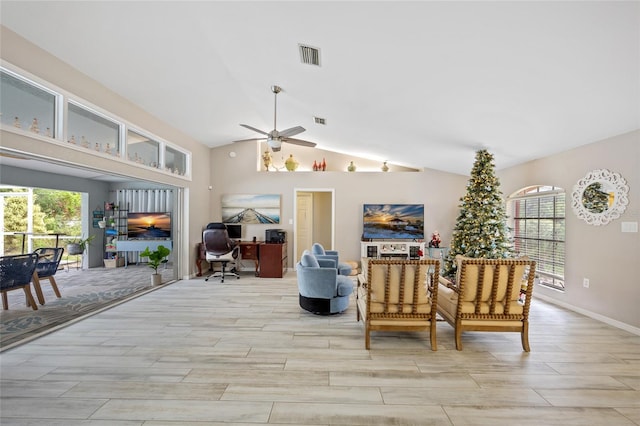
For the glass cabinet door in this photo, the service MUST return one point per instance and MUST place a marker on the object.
(175, 161)
(32, 107)
(26, 106)
(142, 149)
(92, 131)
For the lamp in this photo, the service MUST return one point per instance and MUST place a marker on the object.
(275, 144)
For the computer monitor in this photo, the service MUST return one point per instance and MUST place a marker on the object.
(234, 231)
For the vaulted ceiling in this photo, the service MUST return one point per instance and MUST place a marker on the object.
(422, 84)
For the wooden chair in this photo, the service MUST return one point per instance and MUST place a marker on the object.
(16, 272)
(398, 295)
(48, 264)
(486, 295)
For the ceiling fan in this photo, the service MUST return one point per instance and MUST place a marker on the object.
(275, 138)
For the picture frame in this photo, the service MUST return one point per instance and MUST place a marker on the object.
(251, 208)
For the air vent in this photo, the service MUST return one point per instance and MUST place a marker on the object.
(319, 120)
(309, 55)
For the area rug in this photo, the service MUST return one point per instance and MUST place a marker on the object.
(83, 292)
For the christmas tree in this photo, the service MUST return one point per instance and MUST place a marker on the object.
(481, 229)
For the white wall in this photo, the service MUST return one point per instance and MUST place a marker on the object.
(609, 258)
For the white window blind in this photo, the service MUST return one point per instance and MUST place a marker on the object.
(538, 223)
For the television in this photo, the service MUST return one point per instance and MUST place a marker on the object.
(393, 222)
(234, 231)
(148, 226)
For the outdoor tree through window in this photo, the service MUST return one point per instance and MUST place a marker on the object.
(51, 212)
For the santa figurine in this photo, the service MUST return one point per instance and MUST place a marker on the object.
(435, 240)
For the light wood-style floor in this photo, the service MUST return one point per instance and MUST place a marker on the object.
(244, 353)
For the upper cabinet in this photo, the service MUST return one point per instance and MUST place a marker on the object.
(143, 149)
(89, 129)
(175, 160)
(27, 106)
(36, 108)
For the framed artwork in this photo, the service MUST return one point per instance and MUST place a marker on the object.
(251, 208)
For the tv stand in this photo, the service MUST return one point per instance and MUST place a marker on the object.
(391, 249)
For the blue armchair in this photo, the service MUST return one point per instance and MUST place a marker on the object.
(320, 253)
(322, 291)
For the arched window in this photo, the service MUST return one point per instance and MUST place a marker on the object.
(536, 215)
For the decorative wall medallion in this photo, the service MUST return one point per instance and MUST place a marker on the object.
(600, 197)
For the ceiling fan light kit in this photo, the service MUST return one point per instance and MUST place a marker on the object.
(275, 138)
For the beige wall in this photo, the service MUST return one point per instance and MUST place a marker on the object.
(438, 191)
(609, 258)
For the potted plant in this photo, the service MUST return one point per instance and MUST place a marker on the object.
(79, 245)
(156, 258)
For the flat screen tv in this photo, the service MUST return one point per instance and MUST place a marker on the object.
(234, 231)
(148, 226)
(393, 221)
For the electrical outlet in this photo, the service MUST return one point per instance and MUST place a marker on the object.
(585, 282)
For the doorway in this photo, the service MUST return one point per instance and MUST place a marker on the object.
(314, 219)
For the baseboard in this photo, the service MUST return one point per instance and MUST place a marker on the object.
(587, 313)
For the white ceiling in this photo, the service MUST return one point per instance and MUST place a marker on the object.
(422, 84)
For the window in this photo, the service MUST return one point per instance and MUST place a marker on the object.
(90, 130)
(27, 106)
(538, 225)
(36, 108)
(175, 161)
(142, 149)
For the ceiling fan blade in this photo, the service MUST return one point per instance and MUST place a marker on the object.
(299, 142)
(274, 137)
(291, 131)
(254, 129)
(251, 140)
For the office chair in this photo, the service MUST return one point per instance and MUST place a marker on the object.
(220, 248)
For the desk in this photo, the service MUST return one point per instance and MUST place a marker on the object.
(273, 260)
(140, 245)
(249, 250)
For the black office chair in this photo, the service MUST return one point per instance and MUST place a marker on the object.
(220, 248)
